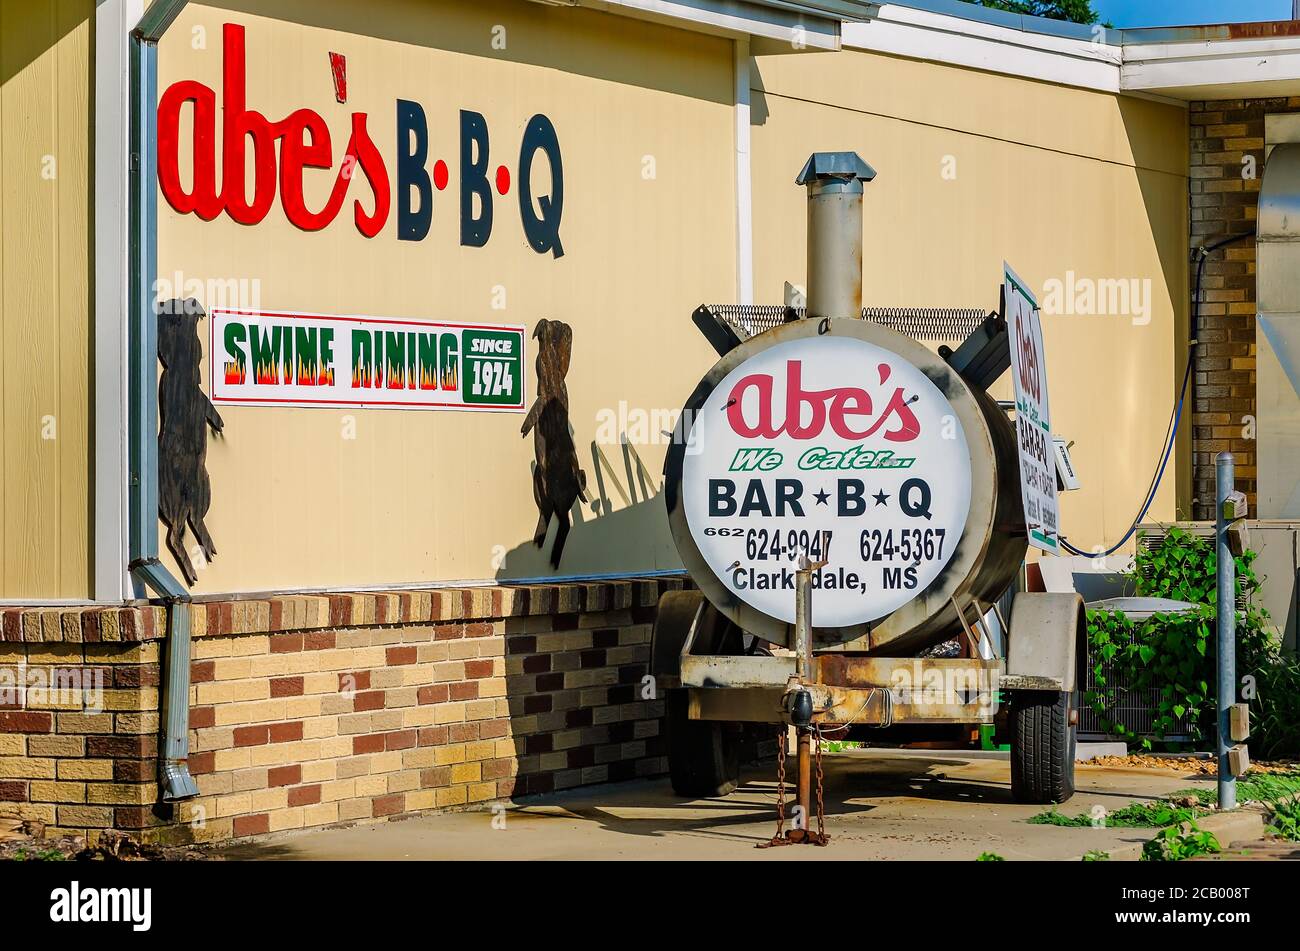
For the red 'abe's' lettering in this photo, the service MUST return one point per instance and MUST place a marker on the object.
(840, 407)
(304, 143)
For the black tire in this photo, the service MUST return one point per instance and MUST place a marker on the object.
(703, 755)
(1042, 746)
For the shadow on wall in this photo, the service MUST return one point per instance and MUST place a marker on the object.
(603, 540)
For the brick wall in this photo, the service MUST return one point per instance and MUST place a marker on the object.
(308, 711)
(1223, 203)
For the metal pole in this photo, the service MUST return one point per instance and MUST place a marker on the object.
(834, 181)
(1226, 611)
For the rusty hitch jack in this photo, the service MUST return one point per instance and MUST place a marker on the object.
(798, 705)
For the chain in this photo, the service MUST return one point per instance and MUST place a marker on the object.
(781, 737)
(821, 810)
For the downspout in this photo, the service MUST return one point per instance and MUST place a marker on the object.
(174, 779)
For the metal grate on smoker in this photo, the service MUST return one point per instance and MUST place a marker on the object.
(921, 323)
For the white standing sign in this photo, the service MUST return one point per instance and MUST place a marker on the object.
(838, 449)
(1033, 418)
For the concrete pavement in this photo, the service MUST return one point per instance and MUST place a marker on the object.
(880, 804)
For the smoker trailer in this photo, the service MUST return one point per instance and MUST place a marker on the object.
(845, 500)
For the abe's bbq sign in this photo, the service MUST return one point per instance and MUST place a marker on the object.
(284, 151)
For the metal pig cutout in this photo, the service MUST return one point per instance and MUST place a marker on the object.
(557, 480)
(183, 409)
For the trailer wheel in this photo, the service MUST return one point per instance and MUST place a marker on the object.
(1042, 746)
(703, 755)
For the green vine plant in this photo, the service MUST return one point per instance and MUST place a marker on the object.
(1175, 653)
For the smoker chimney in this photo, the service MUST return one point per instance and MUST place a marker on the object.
(834, 181)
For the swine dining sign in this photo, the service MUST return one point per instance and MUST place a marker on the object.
(834, 448)
(1033, 417)
(264, 358)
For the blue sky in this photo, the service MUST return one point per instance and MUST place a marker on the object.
(1124, 13)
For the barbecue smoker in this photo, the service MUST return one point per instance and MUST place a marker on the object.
(845, 499)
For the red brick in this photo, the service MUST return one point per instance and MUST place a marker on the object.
(252, 735)
(286, 643)
(284, 775)
(389, 805)
(259, 824)
(400, 739)
(432, 693)
(13, 791)
(370, 700)
(318, 640)
(202, 717)
(447, 632)
(28, 722)
(465, 690)
(400, 656)
(462, 732)
(433, 778)
(204, 762)
(286, 732)
(356, 680)
(368, 743)
(433, 736)
(286, 687)
(203, 671)
(478, 630)
(304, 795)
(477, 669)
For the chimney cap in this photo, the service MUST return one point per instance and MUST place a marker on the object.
(846, 167)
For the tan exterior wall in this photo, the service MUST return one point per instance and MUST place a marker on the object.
(643, 115)
(45, 328)
(1048, 178)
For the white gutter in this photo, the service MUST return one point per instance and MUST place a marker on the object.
(1199, 67)
(727, 18)
(921, 34)
(113, 22)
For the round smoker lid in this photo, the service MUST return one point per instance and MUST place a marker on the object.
(909, 527)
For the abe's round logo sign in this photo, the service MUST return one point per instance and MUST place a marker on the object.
(836, 448)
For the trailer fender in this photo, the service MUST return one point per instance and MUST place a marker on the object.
(1045, 649)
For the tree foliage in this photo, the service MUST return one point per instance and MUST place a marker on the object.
(1076, 11)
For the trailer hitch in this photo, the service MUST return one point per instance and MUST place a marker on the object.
(799, 707)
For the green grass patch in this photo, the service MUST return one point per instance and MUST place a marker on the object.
(1138, 815)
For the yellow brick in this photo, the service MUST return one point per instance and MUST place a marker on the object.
(232, 759)
(264, 800)
(339, 789)
(84, 769)
(233, 691)
(419, 758)
(354, 809)
(52, 745)
(444, 755)
(320, 814)
(14, 744)
(252, 644)
(93, 817)
(39, 812)
(54, 655)
(335, 746)
(386, 762)
(421, 799)
(319, 771)
(26, 767)
(140, 654)
(372, 785)
(452, 795)
(467, 772)
(478, 792)
(319, 728)
(403, 782)
(210, 647)
(143, 698)
(57, 792)
(233, 668)
(122, 793)
(283, 819)
(236, 805)
(449, 712)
